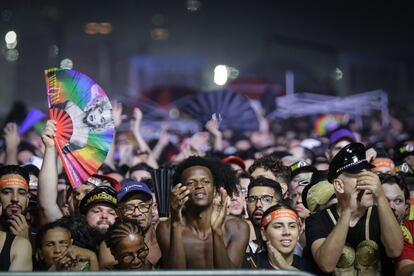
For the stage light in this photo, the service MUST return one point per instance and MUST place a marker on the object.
(66, 63)
(221, 74)
(10, 37)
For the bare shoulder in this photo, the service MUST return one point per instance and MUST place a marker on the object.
(236, 225)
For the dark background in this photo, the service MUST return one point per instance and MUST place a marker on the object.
(371, 44)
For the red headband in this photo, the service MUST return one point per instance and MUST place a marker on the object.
(279, 214)
(12, 180)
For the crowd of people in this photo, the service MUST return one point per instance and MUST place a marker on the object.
(340, 203)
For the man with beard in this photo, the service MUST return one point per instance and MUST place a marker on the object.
(354, 235)
(135, 202)
(15, 251)
(99, 207)
(262, 194)
(198, 234)
(14, 197)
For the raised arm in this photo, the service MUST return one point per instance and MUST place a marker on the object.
(162, 143)
(213, 128)
(21, 255)
(391, 234)
(170, 233)
(48, 177)
(327, 251)
(117, 111)
(142, 145)
(230, 256)
(12, 141)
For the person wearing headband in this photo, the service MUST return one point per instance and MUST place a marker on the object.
(14, 198)
(280, 228)
(15, 249)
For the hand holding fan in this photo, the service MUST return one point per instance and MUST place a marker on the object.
(162, 179)
(84, 122)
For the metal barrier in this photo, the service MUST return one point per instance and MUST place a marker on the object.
(164, 273)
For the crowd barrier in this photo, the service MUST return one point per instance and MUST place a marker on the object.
(165, 273)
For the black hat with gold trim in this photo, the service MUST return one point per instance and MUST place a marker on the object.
(101, 194)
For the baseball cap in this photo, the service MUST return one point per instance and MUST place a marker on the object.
(403, 149)
(101, 194)
(301, 167)
(235, 160)
(341, 134)
(351, 158)
(130, 186)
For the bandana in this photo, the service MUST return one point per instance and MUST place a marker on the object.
(12, 180)
(281, 213)
(381, 163)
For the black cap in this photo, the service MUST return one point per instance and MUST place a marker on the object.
(101, 194)
(301, 167)
(403, 149)
(351, 158)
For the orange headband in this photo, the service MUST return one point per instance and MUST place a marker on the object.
(378, 163)
(6, 181)
(279, 214)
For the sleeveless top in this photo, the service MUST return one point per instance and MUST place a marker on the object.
(5, 252)
(362, 260)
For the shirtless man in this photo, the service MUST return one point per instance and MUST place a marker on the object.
(198, 233)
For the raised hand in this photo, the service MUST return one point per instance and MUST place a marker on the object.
(213, 127)
(11, 136)
(49, 133)
(19, 226)
(179, 196)
(275, 258)
(220, 210)
(371, 182)
(76, 259)
(117, 111)
(136, 120)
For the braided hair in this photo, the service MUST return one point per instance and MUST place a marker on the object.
(123, 227)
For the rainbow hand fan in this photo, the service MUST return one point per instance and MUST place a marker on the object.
(84, 122)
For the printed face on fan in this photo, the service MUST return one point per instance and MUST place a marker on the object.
(98, 116)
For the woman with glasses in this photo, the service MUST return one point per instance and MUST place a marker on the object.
(125, 239)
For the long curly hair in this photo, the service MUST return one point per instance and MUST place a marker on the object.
(100, 102)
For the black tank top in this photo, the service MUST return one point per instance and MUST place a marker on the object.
(5, 252)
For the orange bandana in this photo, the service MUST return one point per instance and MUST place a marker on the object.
(279, 214)
(12, 180)
(380, 163)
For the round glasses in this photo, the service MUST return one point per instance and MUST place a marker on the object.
(140, 254)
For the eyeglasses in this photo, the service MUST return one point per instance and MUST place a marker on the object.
(130, 208)
(140, 254)
(264, 199)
